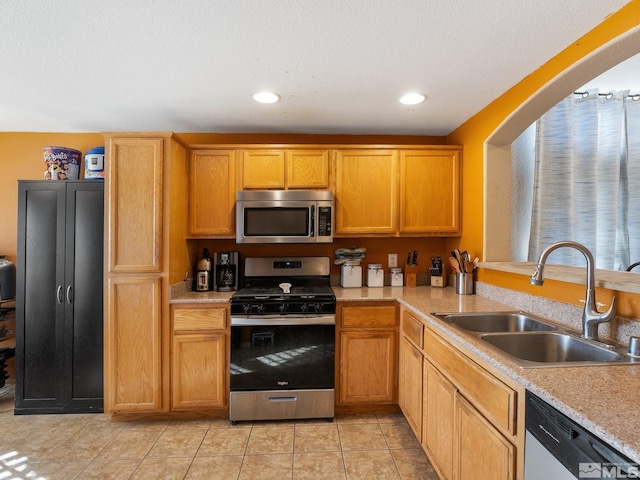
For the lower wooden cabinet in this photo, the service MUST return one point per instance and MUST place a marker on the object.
(467, 419)
(199, 358)
(367, 343)
(410, 388)
(482, 452)
(438, 423)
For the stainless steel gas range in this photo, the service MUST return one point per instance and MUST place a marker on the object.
(283, 340)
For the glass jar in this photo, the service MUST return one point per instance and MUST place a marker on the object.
(397, 278)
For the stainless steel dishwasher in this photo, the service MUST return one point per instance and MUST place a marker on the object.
(558, 448)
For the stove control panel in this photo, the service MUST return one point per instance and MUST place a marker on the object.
(290, 307)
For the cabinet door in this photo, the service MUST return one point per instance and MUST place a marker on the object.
(133, 355)
(40, 294)
(438, 420)
(430, 192)
(83, 294)
(212, 193)
(366, 192)
(368, 366)
(199, 375)
(134, 198)
(481, 451)
(263, 169)
(410, 385)
(307, 169)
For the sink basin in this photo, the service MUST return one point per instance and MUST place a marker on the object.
(553, 348)
(496, 322)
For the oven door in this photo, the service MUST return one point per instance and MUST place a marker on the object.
(282, 353)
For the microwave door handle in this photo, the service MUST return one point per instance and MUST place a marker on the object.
(312, 223)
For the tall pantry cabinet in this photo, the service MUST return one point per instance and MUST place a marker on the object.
(59, 365)
(145, 231)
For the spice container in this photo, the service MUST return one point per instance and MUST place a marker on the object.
(351, 275)
(375, 275)
(397, 278)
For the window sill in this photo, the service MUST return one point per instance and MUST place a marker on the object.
(613, 280)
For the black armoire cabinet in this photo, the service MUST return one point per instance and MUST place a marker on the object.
(59, 284)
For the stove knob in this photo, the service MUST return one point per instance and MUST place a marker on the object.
(246, 307)
(282, 308)
(303, 307)
(260, 308)
(317, 307)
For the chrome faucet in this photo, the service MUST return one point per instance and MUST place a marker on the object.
(591, 317)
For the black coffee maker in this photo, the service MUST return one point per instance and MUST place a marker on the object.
(226, 271)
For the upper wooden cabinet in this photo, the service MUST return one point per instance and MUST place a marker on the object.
(284, 168)
(134, 200)
(430, 191)
(366, 191)
(212, 192)
(399, 192)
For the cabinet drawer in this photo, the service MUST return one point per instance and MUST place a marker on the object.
(371, 316)
(492, 397)
(190, 319)
(412, 328)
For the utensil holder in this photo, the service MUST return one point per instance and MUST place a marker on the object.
(411, 275)
(464, 283)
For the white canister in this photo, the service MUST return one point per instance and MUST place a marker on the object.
(351, 275)
(397, 278)
(375, 275)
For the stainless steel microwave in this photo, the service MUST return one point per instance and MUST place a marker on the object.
(284, 216)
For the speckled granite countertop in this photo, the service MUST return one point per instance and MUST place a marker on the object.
(603, 399)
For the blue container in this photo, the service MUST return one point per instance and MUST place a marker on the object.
(94, 164)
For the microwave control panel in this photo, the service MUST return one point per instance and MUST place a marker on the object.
(324, 221)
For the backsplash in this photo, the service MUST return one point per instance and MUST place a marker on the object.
(569, 316)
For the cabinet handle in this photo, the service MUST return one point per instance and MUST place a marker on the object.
(69, 292)
(59, 294)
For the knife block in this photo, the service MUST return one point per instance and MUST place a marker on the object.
(411, 275)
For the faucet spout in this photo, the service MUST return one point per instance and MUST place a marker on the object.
(591, 317)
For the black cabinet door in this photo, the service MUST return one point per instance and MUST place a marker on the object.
(83, 326)
(59, 297)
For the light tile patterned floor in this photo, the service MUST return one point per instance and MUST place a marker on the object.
(86, 447)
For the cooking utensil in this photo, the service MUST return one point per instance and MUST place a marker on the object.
(454, 264)
(409, 258)
(415, 258)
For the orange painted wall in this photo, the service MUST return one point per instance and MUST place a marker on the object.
(21, 158)
(473, 133)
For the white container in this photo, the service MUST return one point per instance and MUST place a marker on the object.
(397, 278)
(375, 275)
(351, 275)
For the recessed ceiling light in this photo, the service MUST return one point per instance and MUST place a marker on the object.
(412, 98)
(266, 97)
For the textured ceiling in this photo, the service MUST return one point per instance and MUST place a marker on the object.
(339, 65)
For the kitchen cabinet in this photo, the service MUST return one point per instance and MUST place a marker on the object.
(146, 227)
(212, 193)
(199, 377)
(482, 452)
(285, 168)
(438, 434)
(430, 192)
(410, 387)
(59, 366)
(367, 341)
(469, 423)
(366, 192)
(398, 191)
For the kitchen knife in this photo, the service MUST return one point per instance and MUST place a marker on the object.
(409, 258)
(415, 258)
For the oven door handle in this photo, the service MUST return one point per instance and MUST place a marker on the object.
(260, 320)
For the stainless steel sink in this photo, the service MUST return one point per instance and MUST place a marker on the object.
(497, 322)
(552, 347)
(530, 341)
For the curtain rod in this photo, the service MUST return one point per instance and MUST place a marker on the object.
(608, 96)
